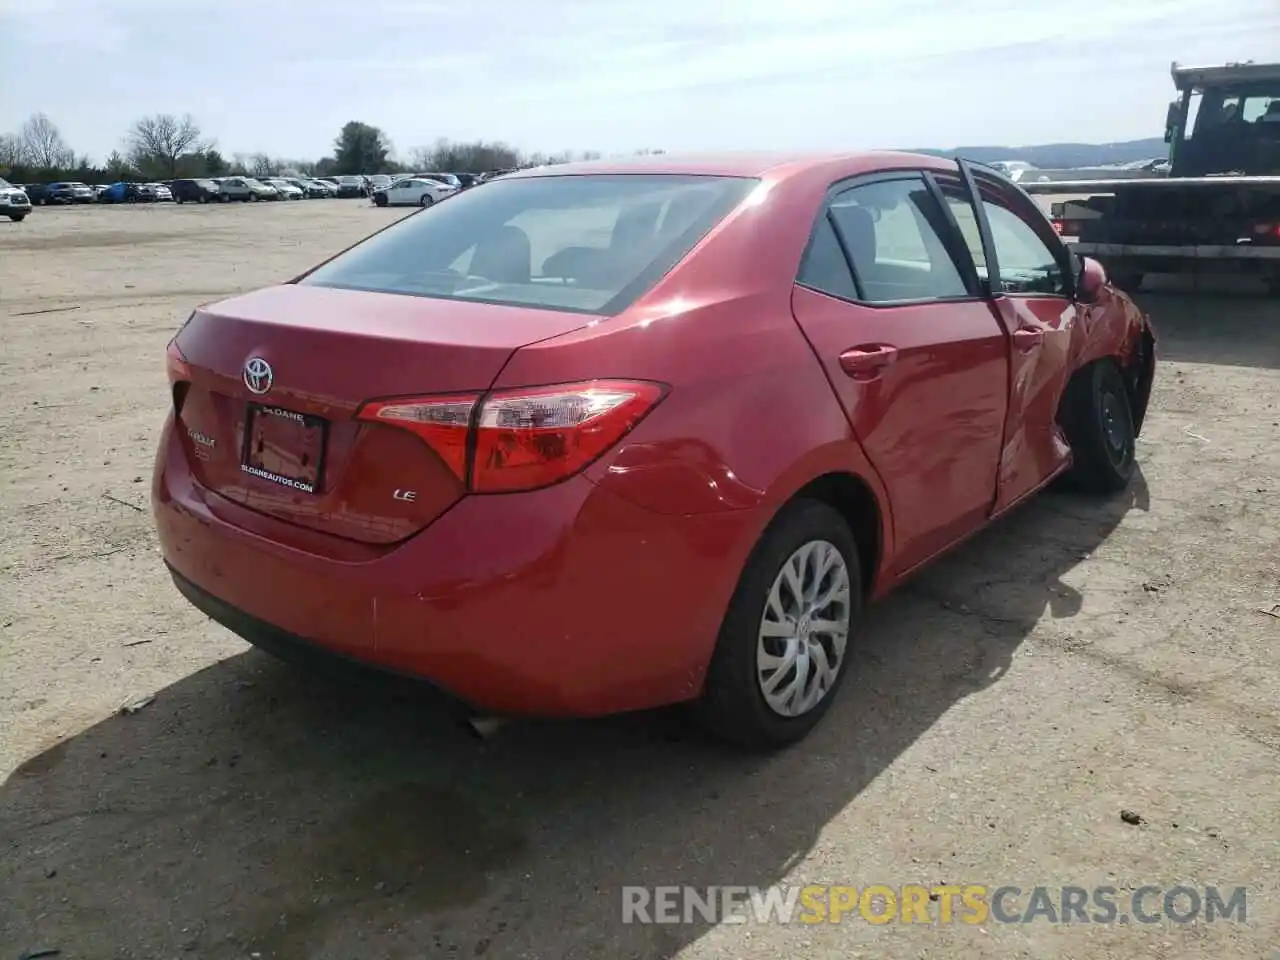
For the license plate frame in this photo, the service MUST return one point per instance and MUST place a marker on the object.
(303, 478)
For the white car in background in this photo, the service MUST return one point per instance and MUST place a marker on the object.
(286, 189)
(414, 192)
(448, 179)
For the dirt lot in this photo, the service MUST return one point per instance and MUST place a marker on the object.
(1078, 659)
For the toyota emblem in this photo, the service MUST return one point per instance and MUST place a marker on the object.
(257, 375)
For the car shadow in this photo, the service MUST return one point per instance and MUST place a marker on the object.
(1209, 319)
(257, 809)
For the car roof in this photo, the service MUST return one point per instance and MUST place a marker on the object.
(776, 165)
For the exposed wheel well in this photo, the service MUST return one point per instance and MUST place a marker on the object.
(1137, 376)
(854, 500)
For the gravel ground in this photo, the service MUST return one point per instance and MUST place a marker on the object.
(1076, 660)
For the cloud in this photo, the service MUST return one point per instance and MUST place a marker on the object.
(611, 75)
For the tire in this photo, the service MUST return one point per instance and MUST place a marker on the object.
(1097, 418)
(426, 200)
(17, 217)
(379, 200)
(734, 706)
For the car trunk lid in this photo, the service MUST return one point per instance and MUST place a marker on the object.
(276, 378)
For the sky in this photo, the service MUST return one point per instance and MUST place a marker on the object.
(617, 76)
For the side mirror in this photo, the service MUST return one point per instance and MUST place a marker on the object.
(1093, 277)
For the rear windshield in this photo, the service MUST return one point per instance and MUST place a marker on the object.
(591, 244)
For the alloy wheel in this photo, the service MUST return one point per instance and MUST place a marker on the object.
(804, 630)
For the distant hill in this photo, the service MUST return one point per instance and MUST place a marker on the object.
(1050, 156)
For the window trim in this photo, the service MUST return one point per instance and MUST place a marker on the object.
(973, 293)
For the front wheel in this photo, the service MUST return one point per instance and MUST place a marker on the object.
(426, 200)
(1097, 419)
(784, 644)
(17, 217)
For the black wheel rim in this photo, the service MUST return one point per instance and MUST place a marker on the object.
(1117, 429)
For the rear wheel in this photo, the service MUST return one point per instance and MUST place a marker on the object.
(426, 200)
(783, 646)
(1098, 421)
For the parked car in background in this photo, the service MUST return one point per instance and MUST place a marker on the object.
(379, 181)
(284, 188)
(352, 186)
(117, 192)
(37, 193)
(14, 203)
(414, 192)
(245, 189)
(325, 188)
(69, 192)
(198, 190)
(468, 180)
(449, 178)
(309, 188)
(161, 191)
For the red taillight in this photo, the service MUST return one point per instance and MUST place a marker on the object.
(512, 440)
(442, 422)
(179, 375)
(1057, 227)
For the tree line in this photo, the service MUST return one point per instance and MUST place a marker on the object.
(167, 147)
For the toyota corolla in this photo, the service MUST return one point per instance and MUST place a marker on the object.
(604, 437)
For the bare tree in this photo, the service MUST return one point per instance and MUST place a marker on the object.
(158, 142)
(260, 165)
(477, 157)
(13, 152)
(43, 144)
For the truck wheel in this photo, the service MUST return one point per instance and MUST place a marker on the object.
(1097, 418)
(784, 647)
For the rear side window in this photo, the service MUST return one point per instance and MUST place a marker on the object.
(591, 243)
(892, 232)
(824, 267)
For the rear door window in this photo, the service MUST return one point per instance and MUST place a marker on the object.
(892, 231)
(591, 243)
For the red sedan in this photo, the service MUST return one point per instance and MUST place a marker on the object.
(610, 436)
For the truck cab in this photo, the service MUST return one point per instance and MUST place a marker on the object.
(1226, 120)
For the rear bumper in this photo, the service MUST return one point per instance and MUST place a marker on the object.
(563, 602)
